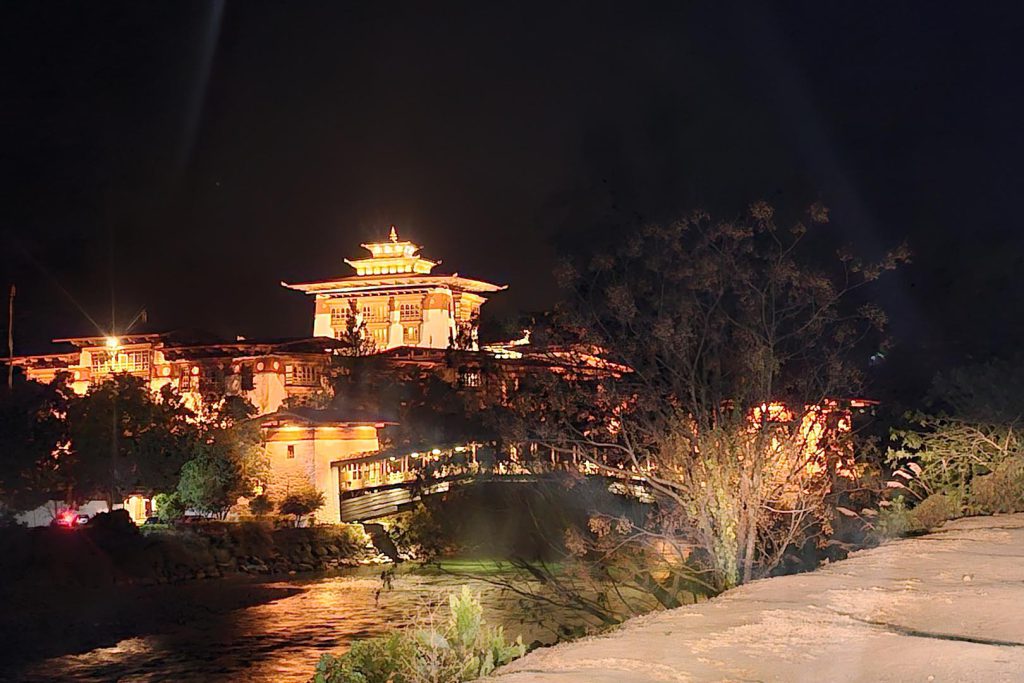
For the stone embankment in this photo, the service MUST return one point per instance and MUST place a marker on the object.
(948, 606)
(119, 553)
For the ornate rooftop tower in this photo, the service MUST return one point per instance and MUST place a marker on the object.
(402, 303)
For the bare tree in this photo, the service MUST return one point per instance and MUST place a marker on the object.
(739, 346)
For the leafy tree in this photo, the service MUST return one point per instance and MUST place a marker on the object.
(209, 483)
(465, 338)
(261, 505)
(301, 503)
(969, 449)
(429, 409)
(34, 460)
(169, 507)
(229, 431)
(124, 440)
(356, 334)
(735, 339)
(983, 393)
(228, 461)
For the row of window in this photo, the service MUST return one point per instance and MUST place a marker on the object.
(376, 313)
(298, 375)
(104, 363)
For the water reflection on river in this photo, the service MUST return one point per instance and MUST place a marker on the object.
(281, 640)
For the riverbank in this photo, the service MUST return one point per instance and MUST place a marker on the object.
(939, 607)
(116, 552)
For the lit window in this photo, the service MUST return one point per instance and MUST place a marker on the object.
(300, 375)
(109, 362)
(410, 311)
(339, 315)
(469, 378)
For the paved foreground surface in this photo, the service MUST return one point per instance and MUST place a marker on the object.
(944, 607)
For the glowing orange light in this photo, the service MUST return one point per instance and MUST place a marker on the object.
(195, 369)
(260, 366)
(165, 371)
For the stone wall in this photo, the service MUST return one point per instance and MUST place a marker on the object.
(120, 553)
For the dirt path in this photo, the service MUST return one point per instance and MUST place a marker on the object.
(948, 606)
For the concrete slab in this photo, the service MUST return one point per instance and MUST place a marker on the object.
(948, 606)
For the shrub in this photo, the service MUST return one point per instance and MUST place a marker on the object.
(301, 504)
(894, 520)
(261, 505)
(462, 648)
(1000, 491)
(374, 660)
(209, 483)
(933, 511)
(169, 507)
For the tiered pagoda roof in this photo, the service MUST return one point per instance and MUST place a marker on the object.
(392, 264)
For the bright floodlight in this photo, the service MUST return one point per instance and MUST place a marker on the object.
(113, 342)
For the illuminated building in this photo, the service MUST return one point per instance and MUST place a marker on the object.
(315, 446)
(394, 297)
(265, 372)
(400, 301)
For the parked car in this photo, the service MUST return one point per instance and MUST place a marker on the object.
(67, 519)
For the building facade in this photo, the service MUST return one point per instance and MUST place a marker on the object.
(266, 372)
(394, 299)
(397, 300)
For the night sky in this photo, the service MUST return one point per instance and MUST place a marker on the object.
(189, 156)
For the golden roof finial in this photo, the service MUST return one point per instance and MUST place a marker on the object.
(394, 234)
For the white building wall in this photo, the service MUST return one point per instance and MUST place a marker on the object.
(438, 326)
(316, 452)
(322, 325)
(268, 392)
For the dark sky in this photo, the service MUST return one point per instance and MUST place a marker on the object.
(189, 156)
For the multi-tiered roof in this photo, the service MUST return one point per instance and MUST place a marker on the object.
(394, 263)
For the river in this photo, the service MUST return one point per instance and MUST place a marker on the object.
(280, 640)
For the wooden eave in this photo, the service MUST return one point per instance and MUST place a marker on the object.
(371, 283)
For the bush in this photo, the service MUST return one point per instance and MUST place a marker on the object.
(261, 505)
(301, 504)
(931, 512)
(375, 660)
(462, 648)
(894, 520)
(209, 484)
(169, 507)
(1000, 491)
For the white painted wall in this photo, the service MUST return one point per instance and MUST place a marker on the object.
(322, 325)
(268, 392)
(316, 453)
